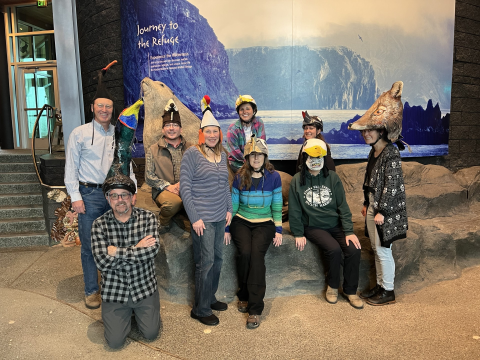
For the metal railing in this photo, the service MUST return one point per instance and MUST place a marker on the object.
(50, 115)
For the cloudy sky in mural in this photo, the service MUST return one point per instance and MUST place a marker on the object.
(410, 41)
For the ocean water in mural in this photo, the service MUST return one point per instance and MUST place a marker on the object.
(328, 58)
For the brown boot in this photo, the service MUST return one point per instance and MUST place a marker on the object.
(93, 301)
(331, 295)
(253, 321)
(355, 301)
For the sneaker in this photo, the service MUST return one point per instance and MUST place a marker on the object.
(219, 306)
(383, 297)
(331, 295)
(93, 301)
(242, 306)
(253, 321)
(365, 294)
(355, 301)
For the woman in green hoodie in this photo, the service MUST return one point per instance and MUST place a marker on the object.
(318, 211)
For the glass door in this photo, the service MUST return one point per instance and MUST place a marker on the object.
(37, 86)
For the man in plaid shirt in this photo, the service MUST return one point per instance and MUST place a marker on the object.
(124, 246)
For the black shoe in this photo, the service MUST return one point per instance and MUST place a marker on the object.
(210, 320)
(219, 306)
(383, 297)
(365, 294)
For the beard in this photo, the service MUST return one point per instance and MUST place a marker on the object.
(122, 203)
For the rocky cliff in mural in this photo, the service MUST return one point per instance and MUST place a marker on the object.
(169, 41)
(301, 78)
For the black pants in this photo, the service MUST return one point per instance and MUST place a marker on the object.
(332, 243)
(252, 241)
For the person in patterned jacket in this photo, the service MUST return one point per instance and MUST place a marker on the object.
(124, 246)
(241, 130)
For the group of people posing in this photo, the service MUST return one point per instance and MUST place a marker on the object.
(124, 239)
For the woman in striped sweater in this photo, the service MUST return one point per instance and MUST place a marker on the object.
(257, 221)
(206, 197)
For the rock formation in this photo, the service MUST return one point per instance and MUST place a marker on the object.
(443, 238)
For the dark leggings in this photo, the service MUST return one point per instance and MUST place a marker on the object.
(252, 241)
(332, 243)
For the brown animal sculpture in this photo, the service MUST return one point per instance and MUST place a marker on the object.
(386, 112)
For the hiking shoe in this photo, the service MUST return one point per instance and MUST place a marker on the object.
(383, 297)
(253, 321)
(242, 306)
(355, 301)
(93, 301)
(365, 294)
(331, 295)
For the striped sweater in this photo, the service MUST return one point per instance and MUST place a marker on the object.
(260, 204)
(204, 187)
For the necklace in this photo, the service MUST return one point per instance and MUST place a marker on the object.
(214, 155)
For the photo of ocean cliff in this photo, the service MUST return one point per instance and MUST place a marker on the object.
(336, 74)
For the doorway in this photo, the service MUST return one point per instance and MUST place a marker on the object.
(36, 86)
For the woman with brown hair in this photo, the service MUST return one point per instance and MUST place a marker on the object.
(257, 222)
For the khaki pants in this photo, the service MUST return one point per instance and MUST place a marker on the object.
(169, 205)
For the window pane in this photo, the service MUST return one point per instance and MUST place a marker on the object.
(39, 90)
(44, 47)
(36, 48)
(37, 18)
(25, 48)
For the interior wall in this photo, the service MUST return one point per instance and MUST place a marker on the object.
(464, 140)
(100, 42)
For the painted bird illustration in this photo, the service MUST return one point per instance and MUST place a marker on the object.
(124, 135)
(360, 37)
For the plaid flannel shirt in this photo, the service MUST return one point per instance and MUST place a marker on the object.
(236, 140)
(131, 272)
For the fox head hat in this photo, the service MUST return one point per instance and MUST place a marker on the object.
(315, 148)
(385, 113)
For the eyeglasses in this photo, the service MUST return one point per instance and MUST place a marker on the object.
(173, 125)
(101, 106)
(124, 196)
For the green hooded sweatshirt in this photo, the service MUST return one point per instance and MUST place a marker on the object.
(321, 203)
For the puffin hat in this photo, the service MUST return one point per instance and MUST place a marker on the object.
(207, 120)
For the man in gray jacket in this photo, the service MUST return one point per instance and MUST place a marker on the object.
(162, 170)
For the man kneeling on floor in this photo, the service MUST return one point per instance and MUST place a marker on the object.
(124, 246)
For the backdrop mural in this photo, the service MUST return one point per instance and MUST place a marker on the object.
(330, 58)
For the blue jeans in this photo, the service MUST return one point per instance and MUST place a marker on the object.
(384, 262)
(208, 257)
(95, 206)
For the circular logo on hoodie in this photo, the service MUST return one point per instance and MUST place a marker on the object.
(318, 196)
